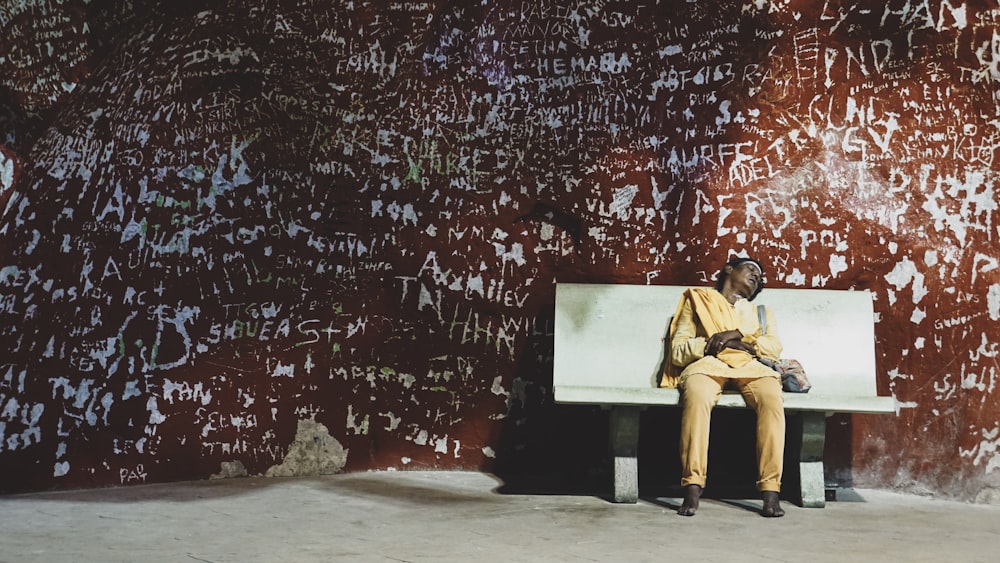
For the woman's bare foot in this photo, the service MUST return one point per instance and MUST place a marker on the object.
(772, 507)
(691, 500)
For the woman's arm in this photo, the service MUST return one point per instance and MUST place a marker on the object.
(768, 344)
(685, 344)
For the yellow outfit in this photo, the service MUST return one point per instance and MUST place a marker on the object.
(701, 313)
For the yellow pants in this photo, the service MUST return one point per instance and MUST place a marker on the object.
(699, 393)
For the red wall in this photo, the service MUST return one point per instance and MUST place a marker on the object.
(314, 236)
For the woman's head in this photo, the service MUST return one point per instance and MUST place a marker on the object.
(738, 263)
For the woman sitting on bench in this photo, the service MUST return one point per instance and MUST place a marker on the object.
(715, 340)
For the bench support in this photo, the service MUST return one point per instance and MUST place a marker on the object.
(624, 444)
(813, 482)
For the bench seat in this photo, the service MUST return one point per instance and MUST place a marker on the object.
(610, 348)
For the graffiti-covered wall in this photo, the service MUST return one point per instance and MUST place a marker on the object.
(290, 237)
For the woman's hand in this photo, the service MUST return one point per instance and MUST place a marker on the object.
(721, 340)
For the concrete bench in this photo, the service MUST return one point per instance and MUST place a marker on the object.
(609, 350)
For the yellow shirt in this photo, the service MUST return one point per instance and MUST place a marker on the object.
(689, 332)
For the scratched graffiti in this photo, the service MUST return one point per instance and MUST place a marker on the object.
(221, 226)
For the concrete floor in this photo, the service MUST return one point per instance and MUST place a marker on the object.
(454, 516)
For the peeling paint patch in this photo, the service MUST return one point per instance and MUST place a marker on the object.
(895, 374)
(900, 405)
(989, 495)
(6, 173)
(987, 452)
(993, 301)
(393, 420)
(230, 469)
(441, 445)
(622, 202)
(352, 421)
(313, 452)
(796, 277)
(497, 387)
(903, 274)
(838, 264)
(155, 416)
(282, 370)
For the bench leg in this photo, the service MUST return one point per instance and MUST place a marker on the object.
(624, 448)
(811, 474)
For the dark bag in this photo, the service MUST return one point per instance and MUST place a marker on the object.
(793, 376)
